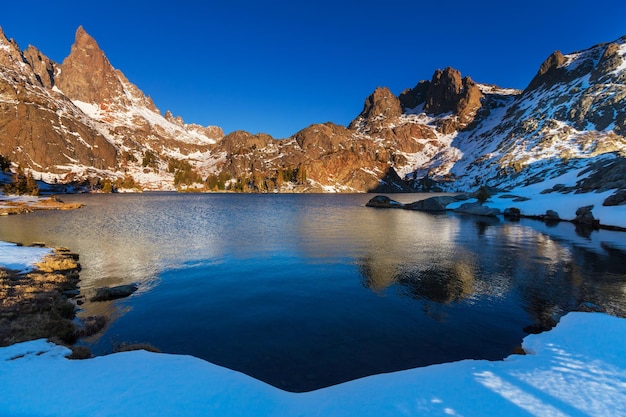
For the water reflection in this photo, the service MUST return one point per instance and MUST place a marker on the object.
(304, 291)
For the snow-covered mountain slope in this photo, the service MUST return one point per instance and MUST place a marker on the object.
(83, 120)
(571, 115)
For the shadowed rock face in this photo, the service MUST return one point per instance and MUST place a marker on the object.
(42, 66)
(448, 92)
(549, 71)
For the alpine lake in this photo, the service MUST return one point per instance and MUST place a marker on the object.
(305, 291)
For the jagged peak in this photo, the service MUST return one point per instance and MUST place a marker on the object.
(8, 44)
(381, 103)
(3, 37)
(84, 40)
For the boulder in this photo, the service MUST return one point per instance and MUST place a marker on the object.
(551, 215)
(113, 293)
(584, 216)
(382, 201)
(477, 209)
(432, 204)
(512, 213)
(616, 199)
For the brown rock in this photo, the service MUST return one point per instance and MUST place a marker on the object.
(322, 139)
(380, 106)
(411, 98)
(87, 75)
(449, 93)
(42, 66)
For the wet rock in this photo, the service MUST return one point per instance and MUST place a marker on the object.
(71, 293)
(617, 199)
(91, 325)
(585, 217)
(543, 326)
(520, 199)
(432, 204)
(477, 209)
(113, 293)
(551, 216)
(512, 213)
(382, 201)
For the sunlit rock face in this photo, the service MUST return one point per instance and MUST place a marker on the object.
(83, 119)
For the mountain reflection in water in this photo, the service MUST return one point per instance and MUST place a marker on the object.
(306, 291)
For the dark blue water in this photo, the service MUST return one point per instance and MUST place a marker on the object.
(306, 291)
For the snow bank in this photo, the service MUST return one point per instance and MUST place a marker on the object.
(578, 368)
(564, 204)
(20, 258)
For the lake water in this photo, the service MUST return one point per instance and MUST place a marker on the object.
(306, 291)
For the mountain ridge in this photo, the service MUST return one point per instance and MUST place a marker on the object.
(84, 121)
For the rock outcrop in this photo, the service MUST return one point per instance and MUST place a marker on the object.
(381, 107)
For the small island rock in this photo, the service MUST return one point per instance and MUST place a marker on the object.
(113, 293)
(382, 201)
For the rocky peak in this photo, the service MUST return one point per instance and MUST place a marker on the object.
(382, 104)
(321, 139)
(610, 61)
(549, 72)
(176, 120)
(42, 66)
(9, 51)
(86, 74)
(448, 92)
(13, 63)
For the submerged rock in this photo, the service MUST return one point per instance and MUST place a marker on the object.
(113, 293)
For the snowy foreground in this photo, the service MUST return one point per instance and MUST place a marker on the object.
(578, 368)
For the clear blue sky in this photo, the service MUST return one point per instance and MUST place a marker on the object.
(277, 67)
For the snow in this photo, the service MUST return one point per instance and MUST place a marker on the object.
(90, 109)
(564, 204)
(19, 258)
(578, 368)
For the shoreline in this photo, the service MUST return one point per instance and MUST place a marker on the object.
(39, 301)
(12, 205)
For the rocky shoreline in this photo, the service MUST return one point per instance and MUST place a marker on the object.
(38, 303)
(43, 303)
(584, 216)
(10, 205)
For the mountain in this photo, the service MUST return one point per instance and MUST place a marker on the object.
(82, 120)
